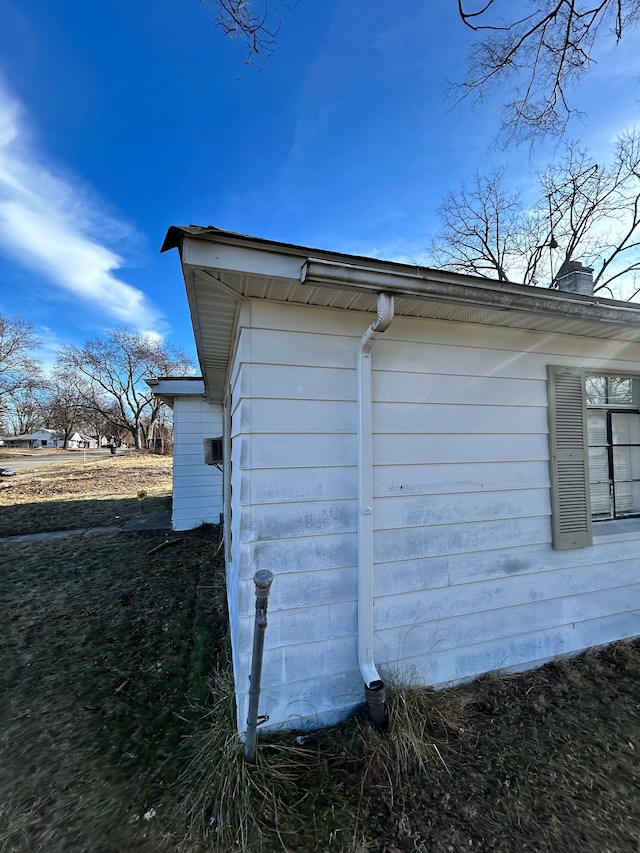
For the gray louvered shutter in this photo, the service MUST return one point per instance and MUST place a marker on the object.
(569, 458)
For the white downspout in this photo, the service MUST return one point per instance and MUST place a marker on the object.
(226, 477)
(370, 674)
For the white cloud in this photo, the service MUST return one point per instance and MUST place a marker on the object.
(50, 224)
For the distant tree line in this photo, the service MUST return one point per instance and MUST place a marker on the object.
(96, 389)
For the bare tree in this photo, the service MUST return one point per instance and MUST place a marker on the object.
(114, 369)
(64, 404)
(25, 409)
(541, 55)
(594, 210)
(585, 212)
(20, 371)
(100, 425)
(482, 229)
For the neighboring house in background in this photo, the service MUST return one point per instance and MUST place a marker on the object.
(39, 438)
(197, 486)
(78, 441)
(448, 488)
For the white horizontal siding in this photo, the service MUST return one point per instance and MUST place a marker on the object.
(281, 485)
(294, 382)
(302, 518)
(301, 553)
(443, 448)
(316, 623)
(324, 659)
(477, 566)
(452, 389)
(239, 560)
(197, 488)
(453, 478)
(298, 450)
(275, 317)
(308, 703)
(426, 418)
(465, 577)
(425, 511)
(416, 543)
(297, 349)
(295, 588)
(561, 590)
(296, 416)
(527, 649)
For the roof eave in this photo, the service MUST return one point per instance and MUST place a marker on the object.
(507, 297)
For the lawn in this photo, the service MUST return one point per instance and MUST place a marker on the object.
(76, 495)
(117, 718)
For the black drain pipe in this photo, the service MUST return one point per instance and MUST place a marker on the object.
(263, 580)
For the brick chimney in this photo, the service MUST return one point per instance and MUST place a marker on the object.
(572, 277)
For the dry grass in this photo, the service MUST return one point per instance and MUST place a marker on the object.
(16, 453)
(540, 761)
(118, 706)
(75, 495)
(105, 656)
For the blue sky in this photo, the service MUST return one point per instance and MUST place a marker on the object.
(120, 119)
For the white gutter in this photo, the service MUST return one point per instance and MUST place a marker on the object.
(438, 285)
(365, 491)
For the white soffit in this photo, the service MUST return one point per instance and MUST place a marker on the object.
(570, 317)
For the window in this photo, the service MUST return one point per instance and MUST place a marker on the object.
(613, 429)
(594, 436)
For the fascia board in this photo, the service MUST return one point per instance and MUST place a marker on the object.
(242, 259)
(178, 386)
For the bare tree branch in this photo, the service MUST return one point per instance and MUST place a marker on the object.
(256, 23)
(540, 56)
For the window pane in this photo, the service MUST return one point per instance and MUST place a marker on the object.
(598, 465)
(625, 428)
(620, 390)
(597, 427)
(596, 390)
(611, 391)
(626, 463)
(601, 500)
(627, 498)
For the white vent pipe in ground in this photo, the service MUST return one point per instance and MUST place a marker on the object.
(374, 687)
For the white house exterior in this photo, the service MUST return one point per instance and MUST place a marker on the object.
(424, 492)
(39, 438)
(78, 441)
(197, 482)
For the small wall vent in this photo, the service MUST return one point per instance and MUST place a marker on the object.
(213, 453)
